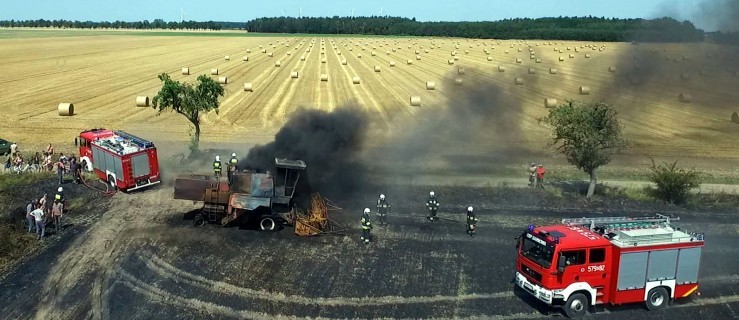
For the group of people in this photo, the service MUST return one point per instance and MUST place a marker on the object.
(38, 213)
(536, 175)
(42, 161)
(432, 204)
(218, 166)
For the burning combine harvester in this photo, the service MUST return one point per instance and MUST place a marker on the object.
(267, 200)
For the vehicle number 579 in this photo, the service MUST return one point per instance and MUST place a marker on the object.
(601, 267)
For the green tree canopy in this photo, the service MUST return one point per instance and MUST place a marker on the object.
(188, 100)
(588, 134)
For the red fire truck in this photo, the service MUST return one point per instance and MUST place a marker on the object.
(615, 260)
(125, 161)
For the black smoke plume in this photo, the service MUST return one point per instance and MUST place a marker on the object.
(329, 143)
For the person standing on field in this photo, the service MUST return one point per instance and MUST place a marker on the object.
(433, 205)
(366, 223)
(29, 217)
(532, 175)
(38, 215)
(383, 208)
(57, 212)
(540, 171)
(471, 222)
(232, 167)
(217, 167)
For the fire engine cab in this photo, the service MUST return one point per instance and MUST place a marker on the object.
(587, 261)
(124, 161)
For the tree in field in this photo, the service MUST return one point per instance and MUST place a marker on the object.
(588, 134)
(189, 101)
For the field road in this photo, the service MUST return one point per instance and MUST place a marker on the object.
(140, 263)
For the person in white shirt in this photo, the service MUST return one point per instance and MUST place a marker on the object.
(38, 214)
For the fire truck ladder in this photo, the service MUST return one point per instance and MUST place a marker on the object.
(608, 223)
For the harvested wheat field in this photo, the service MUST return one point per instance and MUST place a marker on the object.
(103, 76)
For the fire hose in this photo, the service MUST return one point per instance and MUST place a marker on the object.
(105, 193)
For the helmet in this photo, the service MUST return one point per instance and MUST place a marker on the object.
(540, 165)
(469, 208)
(533, 164)
(60, 189)
(218, 158)
(432, 194)
(233, 154)
(366, 210)
(382, 197)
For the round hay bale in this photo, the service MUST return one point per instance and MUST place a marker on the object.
(264, 50)
(611, 69)
(490, 58)
(561, 58)
(571, 56)
(450, 61)
(538, 60)
(685, 97)
(430, 85)
(519, 49)
(461, 71)
(355, 80)
(518, 60)
(377, 69)
(323, 60)
(552, 71)
(587, 56)
(302, 58)
(392, 63)
(185, 71)
(458, 81)
(338, 53)
(350, 49)
(324, 77)
(142, 101)
(245, 58)
(248, 87)
(248, 50)
(518, 81)
(214, 72)
(294, 74)
(270, 55)
(373, 54)
(735, 117)
(415, 101)
(227, 57)
(550, 102)
(409, 61)
(65, 109)
(359, 56)
(343, 62)
(560, 51)
(501, 69)
(223, 80)
(278, 63)
(289, 53)
(467, 52)
(426, 51)
(506, 52)
(532, 71)
(584, 90)
(456, 57)
(418, 58)
(418, 52)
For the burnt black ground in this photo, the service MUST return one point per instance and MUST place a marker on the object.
(415, 269)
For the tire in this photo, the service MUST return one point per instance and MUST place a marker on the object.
(199, 220)
(576, 306)
(111, 183)
(657, 298)
(267, 224)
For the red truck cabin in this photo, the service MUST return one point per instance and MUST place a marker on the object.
(615, 260)
(125, 161)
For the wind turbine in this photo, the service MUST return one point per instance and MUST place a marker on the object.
(352, 13)
(301, 13)
(283, 12)
(381, 11)
(182, 15)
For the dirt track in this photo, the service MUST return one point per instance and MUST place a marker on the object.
(144, 253)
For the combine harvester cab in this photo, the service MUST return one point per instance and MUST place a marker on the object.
(586, 262)
(126, 162)
(264, 198)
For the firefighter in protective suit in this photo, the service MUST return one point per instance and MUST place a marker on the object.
(366, 223)
(232, 167)
(471, 222)
(59, 196)
(383, 208)
(432, 204)
(217, 167)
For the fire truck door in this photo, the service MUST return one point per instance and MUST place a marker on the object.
(595, 272)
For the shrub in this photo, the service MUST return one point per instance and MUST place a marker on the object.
(673, 183)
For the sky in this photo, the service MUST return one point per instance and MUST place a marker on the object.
(449, 10)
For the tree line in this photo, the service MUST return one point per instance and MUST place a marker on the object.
(556, 28)
(146, 24)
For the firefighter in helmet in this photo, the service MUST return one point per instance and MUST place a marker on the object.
(432, 204)
(232, 167)
(59, 196)
(366, 225)
(383, 208)
(471, 222)
(217, 167)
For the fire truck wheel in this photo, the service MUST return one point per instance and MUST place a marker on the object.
(577, 306)
(199, 220)
(657, 298)
(267, 224)
(111, 182)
